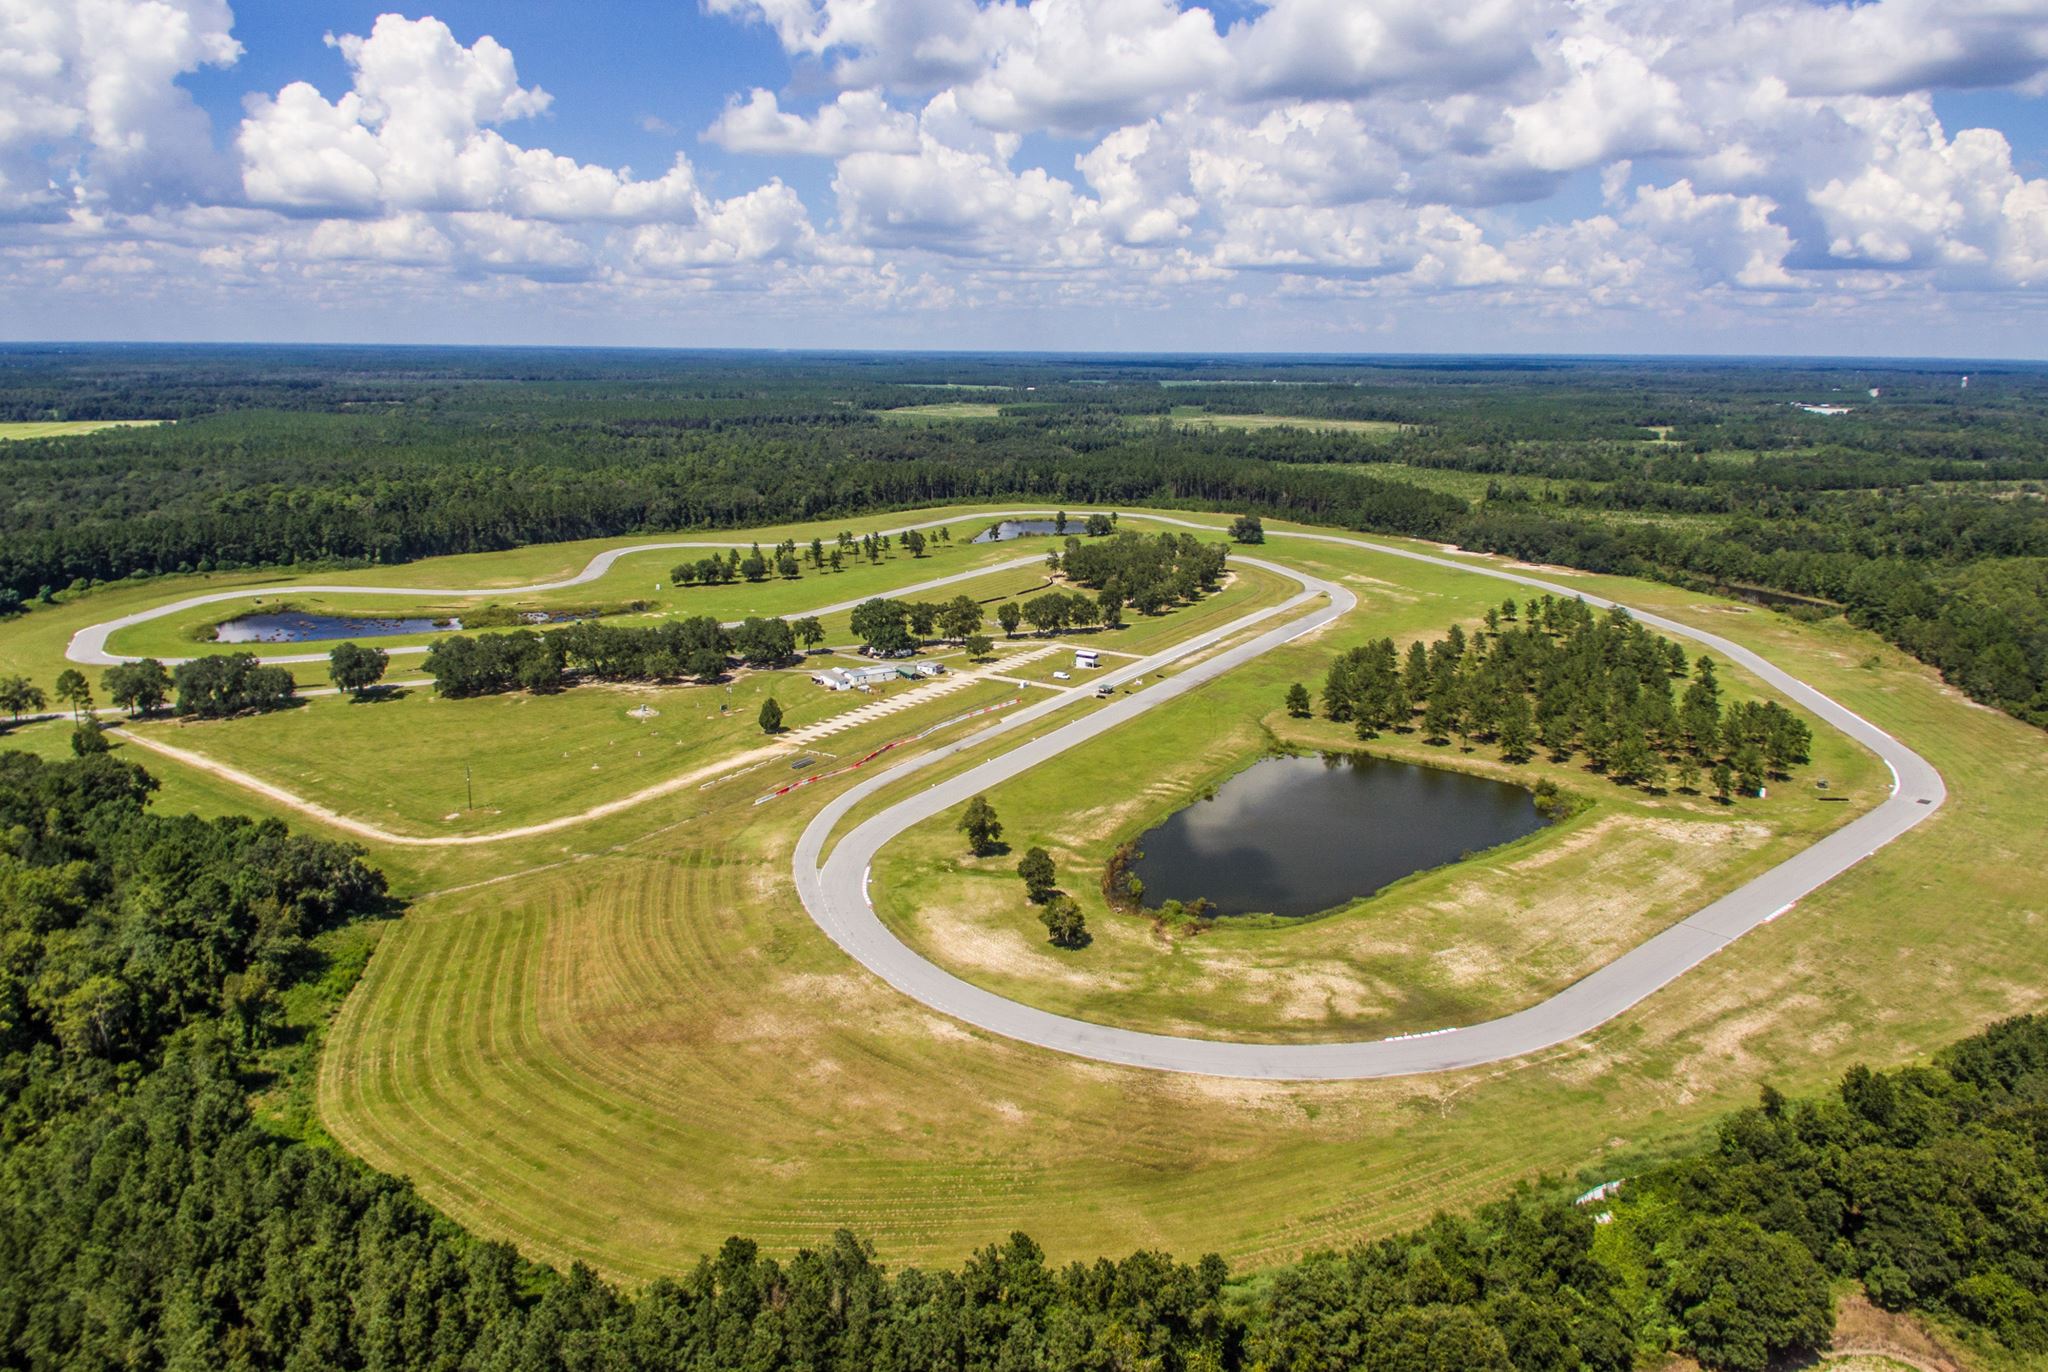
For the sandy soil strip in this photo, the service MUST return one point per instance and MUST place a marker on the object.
(378, 835)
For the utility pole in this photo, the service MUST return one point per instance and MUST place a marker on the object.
(469, 785)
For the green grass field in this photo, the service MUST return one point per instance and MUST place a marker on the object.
(1200, 418)
(66, 428)
(943, 412)
(528, 758)
(625, 1041)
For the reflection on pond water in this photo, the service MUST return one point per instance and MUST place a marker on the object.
(1020, 528)
(1300, 835)
(293, 627)
(297, 626)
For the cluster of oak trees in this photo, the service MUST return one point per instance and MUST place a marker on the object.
(212, 687)
(1056, 611)
(887, 627)
(1555, 675)
(699, 647)
(224, 684)
(148, 1220)
(1148, 574)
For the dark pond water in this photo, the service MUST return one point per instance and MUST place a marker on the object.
(294, 627)
(1299, 835)
(1019, 528)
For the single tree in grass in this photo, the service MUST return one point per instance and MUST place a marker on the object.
(19, 696)
(74, 690)
(1064, 923)
(140, 688)
(979, 646)
(1248, 529)
(808, 631)
(1297, 701)
(771, 716)
(1009, 614)
(981, 826)
(1040, 880)
(355, 669)
(1688, 771)
(1724, 781)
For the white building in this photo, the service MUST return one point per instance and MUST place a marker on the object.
(852, 678)
(1087, 657)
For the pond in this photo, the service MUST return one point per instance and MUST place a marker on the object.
(1021, 528)
(1300, 835)
(292, 626)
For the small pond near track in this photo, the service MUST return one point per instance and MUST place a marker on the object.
(1300, 835)
(292, 626)
(1020, 528)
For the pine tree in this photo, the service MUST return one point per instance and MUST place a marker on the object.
(1514, 729)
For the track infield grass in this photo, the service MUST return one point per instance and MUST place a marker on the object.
(1452, 946)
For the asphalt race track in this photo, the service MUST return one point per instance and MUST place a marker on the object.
(835, 892)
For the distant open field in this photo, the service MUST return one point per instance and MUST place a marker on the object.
(65, 428)
(942, 412)
(1201, 418)
(624, 1042)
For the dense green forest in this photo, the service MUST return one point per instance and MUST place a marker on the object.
(150, 1219)
(1918, 511)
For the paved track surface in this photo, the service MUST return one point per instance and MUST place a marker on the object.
(835, 892)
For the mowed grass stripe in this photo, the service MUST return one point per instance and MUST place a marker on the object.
(428, 1086)
(751, 1082)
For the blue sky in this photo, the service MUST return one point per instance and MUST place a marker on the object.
(1374, 175)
